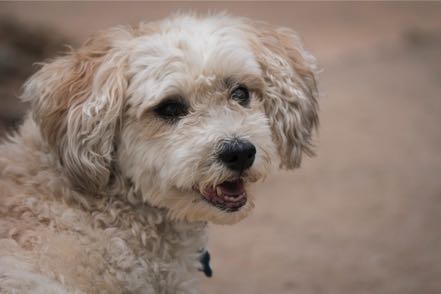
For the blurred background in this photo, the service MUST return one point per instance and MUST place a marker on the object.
(364, 215)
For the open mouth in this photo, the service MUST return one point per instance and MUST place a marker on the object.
(229, 196)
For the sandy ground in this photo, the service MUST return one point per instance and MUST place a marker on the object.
(364, 215)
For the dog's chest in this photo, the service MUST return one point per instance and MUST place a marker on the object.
(162, 258)
(148, 253)
(115, 250)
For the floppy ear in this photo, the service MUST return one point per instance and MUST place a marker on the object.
(77, 101)
(290, 95)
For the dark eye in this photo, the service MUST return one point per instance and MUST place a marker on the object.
(241, 95)
(172, 110)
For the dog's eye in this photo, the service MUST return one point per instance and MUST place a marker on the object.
(171, 110)
(241, 95)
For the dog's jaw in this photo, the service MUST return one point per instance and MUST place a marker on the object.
(202, 210)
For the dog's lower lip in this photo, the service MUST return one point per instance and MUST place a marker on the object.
(228, 196)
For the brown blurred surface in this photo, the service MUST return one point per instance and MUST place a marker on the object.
(364, 215)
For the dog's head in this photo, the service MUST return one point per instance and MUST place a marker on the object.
(190, 110)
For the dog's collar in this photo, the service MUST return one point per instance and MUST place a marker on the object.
(204, 259)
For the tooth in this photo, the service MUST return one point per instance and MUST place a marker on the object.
(241, 196)
(218, 191)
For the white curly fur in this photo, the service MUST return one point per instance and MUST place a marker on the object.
(98, 194)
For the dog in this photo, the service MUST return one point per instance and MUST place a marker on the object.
(138, 139)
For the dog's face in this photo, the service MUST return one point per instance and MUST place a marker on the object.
(189, 110)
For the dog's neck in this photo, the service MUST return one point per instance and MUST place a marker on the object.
(124, 208)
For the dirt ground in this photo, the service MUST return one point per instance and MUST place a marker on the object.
(364, 215)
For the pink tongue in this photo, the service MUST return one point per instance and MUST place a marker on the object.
(235, 188)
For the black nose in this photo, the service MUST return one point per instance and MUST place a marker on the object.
(237, 155)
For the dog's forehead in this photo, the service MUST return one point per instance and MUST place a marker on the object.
(206, 38)
(186, 53)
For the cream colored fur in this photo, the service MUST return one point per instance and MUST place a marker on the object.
(98, 194)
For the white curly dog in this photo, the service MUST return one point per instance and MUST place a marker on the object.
(139, 138)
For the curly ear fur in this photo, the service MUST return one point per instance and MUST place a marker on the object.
(290, 97)
(77, 101)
